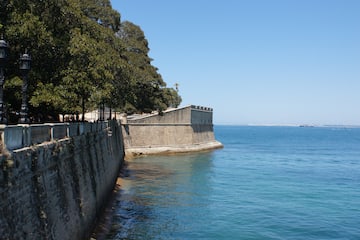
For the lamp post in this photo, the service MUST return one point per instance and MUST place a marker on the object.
(3, 57)
(25, 61)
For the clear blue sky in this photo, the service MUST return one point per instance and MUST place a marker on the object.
(257, 61)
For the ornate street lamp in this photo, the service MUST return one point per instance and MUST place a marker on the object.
(3, 57)
(25, 61)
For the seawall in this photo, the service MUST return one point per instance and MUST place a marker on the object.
(55, 178)
(180, 130)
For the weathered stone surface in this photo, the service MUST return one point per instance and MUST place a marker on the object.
(59, 131)
(13, 136)
(55, 190)
(180, 130)
(168, 150)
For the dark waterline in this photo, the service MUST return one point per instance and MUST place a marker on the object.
(267, 183)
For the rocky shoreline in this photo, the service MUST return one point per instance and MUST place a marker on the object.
(131, 153)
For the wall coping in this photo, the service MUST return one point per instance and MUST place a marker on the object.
(137, 117)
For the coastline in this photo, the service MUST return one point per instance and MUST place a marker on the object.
(131, 153)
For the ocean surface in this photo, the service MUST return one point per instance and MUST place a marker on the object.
(266, 183)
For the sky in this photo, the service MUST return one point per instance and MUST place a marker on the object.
(257, 61)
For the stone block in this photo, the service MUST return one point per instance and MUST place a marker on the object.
(73, 129)
(13, 137)
(59, 131)
(39, 133)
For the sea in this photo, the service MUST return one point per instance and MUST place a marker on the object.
(267, 182)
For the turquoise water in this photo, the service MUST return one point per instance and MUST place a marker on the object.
(267, 183)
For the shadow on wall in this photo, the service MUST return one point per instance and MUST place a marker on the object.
(56, 189)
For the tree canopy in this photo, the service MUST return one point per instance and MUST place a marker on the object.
(82, 55)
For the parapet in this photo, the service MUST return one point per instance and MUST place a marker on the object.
(201, 108)
(185, 115)
(25, 135)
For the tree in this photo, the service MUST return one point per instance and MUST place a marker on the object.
(149, 89)
(83, 55)
(171, 97)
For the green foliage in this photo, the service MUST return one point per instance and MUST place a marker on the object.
(83, 55)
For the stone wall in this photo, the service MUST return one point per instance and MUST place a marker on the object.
(178, 130)
(56, 189)
(174, 135)
(186, 115)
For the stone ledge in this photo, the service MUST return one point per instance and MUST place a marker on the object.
(134, 152)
